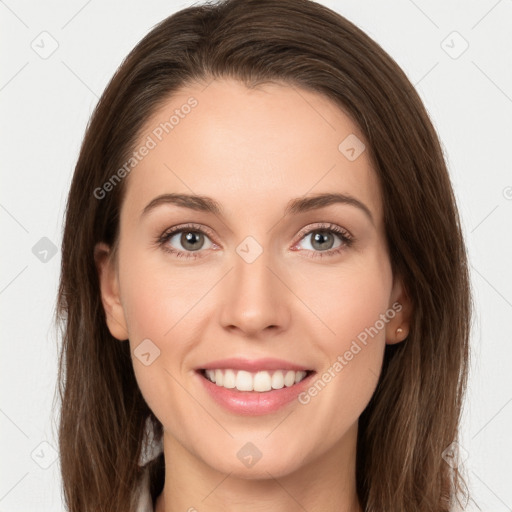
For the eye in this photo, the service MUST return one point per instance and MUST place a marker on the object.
(191, 238)
(323, 239)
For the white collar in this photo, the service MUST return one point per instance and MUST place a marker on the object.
(144, 501)
(151, 448)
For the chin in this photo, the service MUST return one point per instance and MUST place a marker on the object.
(262, 469)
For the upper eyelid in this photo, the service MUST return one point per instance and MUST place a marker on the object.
(328, 226)
(192, 227)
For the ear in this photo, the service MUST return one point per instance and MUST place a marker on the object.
(401, 303)
(109, 286)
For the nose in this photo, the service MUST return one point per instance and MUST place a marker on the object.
(255, 298)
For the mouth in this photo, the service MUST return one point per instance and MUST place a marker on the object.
(262, 381)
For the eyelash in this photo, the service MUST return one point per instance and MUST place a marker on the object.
(346, 239)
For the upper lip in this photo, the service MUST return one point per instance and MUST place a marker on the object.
(253, 365)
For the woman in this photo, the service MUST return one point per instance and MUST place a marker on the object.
(264, 290)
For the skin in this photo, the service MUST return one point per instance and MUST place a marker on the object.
(253, 151)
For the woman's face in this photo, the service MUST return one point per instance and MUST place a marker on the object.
(262, 284)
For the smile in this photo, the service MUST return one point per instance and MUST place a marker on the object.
(259, 381)
(252, 392)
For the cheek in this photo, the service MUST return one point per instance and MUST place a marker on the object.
(157, 296)
(353, 307)
(347, 300)
(156, 302)
(157, 311)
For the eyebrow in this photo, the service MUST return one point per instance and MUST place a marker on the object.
(294, 206)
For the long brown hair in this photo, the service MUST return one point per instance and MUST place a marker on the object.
(414, 414)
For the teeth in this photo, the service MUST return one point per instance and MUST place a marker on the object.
(229, 380)
(243, 381)
(259, 381)
(278, 380)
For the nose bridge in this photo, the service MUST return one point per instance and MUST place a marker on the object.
(254, 298)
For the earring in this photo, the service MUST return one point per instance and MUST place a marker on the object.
(399, 331)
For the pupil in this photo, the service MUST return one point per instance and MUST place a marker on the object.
(189, 240)
(320, 238)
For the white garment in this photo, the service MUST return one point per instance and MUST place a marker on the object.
(145, 502)
(151, 448)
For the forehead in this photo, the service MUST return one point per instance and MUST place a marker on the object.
(250, 149)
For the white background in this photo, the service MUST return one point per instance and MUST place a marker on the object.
(45, 105)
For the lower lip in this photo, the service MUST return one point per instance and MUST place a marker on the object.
(253, 403)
